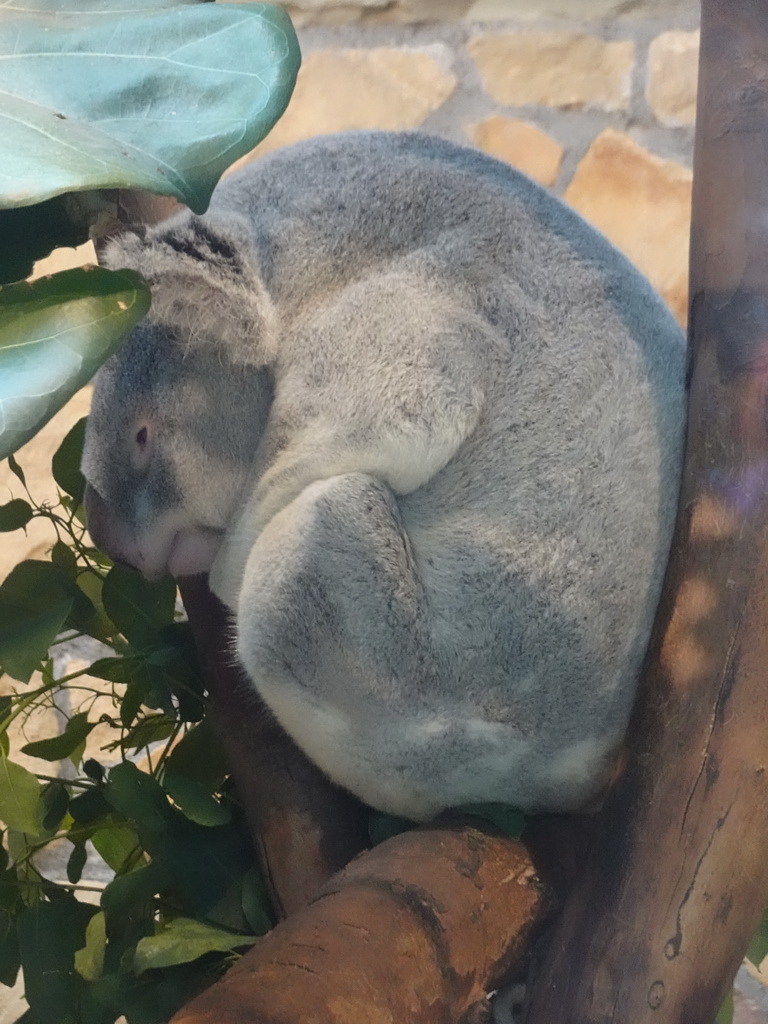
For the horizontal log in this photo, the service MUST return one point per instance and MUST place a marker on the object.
(420, 930)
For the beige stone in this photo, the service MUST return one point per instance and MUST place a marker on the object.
(65, 259)
(524, 146)
(339, 90)
(557, 69)
(673, 64)
(428, 10)
(335, 13)
(322, 5)
(643, 204)
(12, 1002)
(496, 10)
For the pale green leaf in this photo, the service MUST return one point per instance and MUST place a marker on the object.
(54, 334)
(156, 95)
(182, 940)
(20, 806)
(89, 961)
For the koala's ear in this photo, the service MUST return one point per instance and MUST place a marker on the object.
(205, 283)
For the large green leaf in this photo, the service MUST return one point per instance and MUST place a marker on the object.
(54, 334)
(156, 95)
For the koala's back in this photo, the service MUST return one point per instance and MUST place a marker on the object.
(541, 545)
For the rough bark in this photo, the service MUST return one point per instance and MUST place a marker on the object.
(419, 930)
(304, 828)
(657, 923)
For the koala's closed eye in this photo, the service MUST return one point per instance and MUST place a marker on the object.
(424, 426)
(141, 454)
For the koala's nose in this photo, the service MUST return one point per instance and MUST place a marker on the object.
(107, 532)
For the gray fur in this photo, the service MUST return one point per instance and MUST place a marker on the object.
(427, 426)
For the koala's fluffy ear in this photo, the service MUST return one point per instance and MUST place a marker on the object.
(205, 283)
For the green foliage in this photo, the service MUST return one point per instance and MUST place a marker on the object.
(161, 95)
(185, 895)
(725, 1014)
(758, 947)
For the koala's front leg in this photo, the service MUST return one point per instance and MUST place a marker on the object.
(333, 631)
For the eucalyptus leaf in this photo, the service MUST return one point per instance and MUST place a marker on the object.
(89, 961)
(55, 803)
(138, 608)
(59, 747)
(139, 797)
(198, 756)
(758, 947)
(65, 464)
(76, 862)
(35, 600)
(89, 806)
(117, 844)
(10, 961)
(127, 893)
(256, 903)
(49, 936)
(17, 471)
(161, 96)
(20, 805)
(65, 558)
(195, 801)
(182, 940)
(55, 332)
(725, 1014)
(14, 515)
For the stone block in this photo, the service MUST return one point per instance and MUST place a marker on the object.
(524, 146)
(340, 90)
(578, 10)
(673, 65)
(569, 70)
(643, 205)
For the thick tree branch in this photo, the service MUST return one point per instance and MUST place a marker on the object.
(419, 930)
(657, 924)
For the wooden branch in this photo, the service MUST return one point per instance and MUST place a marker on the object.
(678, 878)
(303, 827)
(419, 930)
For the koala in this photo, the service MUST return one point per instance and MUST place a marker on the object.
(423, 427)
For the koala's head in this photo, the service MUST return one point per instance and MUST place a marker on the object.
(178, 411)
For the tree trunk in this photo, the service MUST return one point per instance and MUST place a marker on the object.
(657, 923)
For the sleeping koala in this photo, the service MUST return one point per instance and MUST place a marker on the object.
(424, 427)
